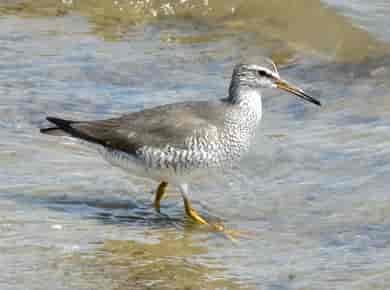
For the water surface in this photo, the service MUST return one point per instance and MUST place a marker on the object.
(313, 190)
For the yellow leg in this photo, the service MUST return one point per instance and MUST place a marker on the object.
(159, 194)
(192, 213)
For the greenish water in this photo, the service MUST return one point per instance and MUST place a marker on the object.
(313, 190)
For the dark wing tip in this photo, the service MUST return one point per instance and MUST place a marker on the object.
(62, 127)
(60, 122)
(66, 127)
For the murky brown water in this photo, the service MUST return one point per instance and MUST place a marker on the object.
(313, 190)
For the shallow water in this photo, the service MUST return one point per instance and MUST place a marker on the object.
(313, 190)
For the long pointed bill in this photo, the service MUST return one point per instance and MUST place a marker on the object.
(281, 84)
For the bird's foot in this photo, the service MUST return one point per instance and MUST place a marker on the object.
(232, 235)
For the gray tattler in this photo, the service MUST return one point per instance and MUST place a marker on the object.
(173, 143)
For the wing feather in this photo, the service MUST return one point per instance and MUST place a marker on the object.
(157, 127)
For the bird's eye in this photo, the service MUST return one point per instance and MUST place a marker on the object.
(262, 73)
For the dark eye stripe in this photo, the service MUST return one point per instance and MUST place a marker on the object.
(263, 73)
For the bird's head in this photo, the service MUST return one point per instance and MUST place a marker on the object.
(256, 77)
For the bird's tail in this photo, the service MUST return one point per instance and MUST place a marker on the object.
(62, 127)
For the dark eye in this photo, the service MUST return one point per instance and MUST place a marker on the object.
(262, 73)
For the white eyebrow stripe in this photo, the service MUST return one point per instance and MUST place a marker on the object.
(268, 72)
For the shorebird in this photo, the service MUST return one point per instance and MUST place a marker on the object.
(173, 143)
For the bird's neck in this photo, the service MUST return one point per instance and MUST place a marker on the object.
(243, 118)
(241, 90)
(241, 121)
(246, 99)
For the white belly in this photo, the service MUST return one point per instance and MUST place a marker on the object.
(137, 167)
